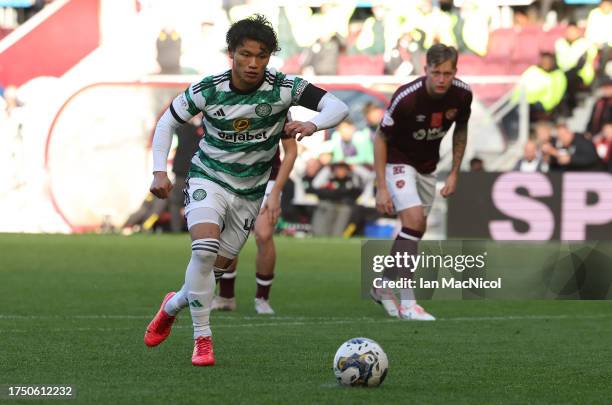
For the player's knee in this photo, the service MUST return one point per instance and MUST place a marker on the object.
(205, 250)
(263, 236)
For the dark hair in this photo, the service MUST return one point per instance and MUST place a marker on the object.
(256, 28)
(440, 53)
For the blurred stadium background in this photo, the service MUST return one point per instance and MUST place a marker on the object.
(84, 81)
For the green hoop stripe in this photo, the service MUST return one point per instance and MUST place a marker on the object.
(250, 194)
(236, 169)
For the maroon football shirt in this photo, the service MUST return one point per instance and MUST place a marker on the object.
(415, 123)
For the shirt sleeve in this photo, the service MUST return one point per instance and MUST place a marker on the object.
(305, 94)
(390, 118)
(466, 110)
(181, 110)
(184, 107)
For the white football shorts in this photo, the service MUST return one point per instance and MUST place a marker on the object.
(208, 202)
(409, 188)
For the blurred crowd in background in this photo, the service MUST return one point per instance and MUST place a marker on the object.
(559, 52)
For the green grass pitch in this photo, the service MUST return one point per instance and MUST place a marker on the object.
(73, 310)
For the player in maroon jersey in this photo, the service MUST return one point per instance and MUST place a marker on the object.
(264, 231)
(406, 153)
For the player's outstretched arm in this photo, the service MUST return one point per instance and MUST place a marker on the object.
(384, 204)
(272, 205)
(459, 143)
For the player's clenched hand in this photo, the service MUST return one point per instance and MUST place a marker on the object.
(161, 185)
(450, 186)
(384, 204)
(298, 127)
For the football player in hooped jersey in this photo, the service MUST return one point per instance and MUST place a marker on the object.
(406, 152)
(264, 231)
(244, 115)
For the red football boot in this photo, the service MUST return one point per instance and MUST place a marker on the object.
(161, 325)
(203, 354)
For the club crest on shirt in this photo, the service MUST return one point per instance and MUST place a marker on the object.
(241, 124)
(420, 118)
(400, 183)
(199, 194)
(263, 110)
(451, 114)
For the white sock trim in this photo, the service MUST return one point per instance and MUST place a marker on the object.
(410, 237)
(227, 275)
(264, 282)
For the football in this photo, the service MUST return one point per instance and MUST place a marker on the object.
(360, 362)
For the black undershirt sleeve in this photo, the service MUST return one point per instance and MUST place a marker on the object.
(175, 115)
(311, 96)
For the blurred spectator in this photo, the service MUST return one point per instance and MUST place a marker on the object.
(406, 57)
(286, 38)
(188, 136)
(351, 146)
(313, 166)
(337, 188)
(544, 85)
(205, 51)
(573, 152)
(602, 109)
(367, 36)
(441, 25)
(576, 58)
(356, 149)
(322, 57)
(145, 217)
(599, 32)
(532, 159)
(12, 149)
(473, 27)
(169, 51)
(543, 133)
(603, 144)
(476, 165)
(524, 17)
(373, 114)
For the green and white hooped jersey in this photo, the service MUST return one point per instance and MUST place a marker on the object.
(241, 130)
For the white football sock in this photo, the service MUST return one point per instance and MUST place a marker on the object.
(200, 283)
(407, 298)
(178, 302)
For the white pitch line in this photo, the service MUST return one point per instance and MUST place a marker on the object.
(326, 321)
(310, 318)
(525, 317)
(222, 317)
